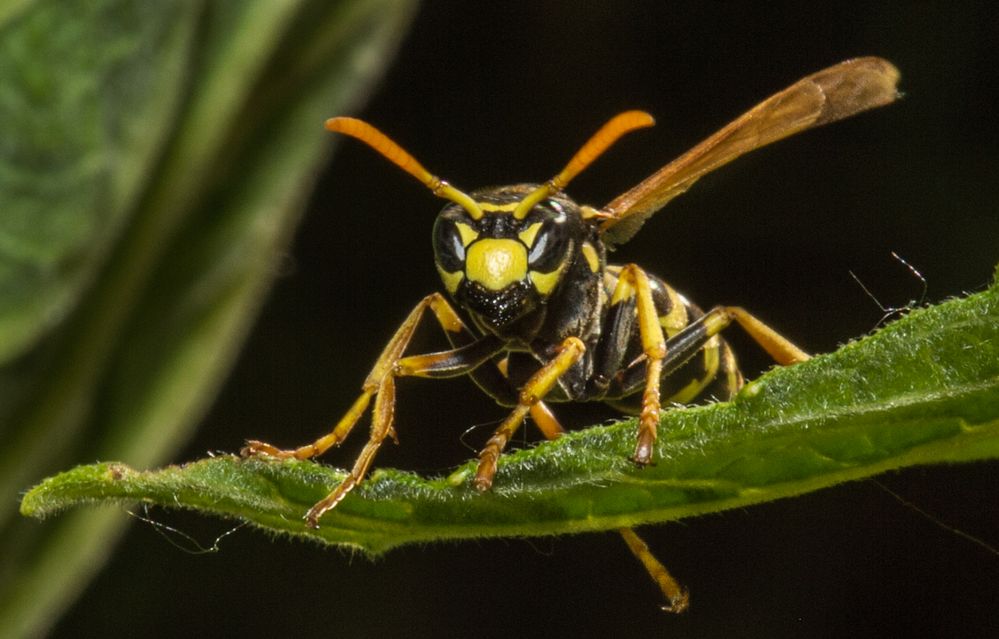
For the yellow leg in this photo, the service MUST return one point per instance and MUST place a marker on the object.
(776, 345)
(383, 367)
(381, 427)
(674, 593)
(633, 282)
(321, 445)
(533, 392)
(545, 420)
(781, 349)
(380, 384)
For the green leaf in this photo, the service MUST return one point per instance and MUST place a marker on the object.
(154, 160)
(923, 390)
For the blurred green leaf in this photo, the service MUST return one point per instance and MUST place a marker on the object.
(87, 93)
(923, 390)
(154, 159)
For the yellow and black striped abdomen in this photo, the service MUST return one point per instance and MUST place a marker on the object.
(710, 374)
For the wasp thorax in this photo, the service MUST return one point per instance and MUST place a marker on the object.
(498, 266)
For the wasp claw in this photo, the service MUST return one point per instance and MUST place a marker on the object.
(643, 449)
(254, 447)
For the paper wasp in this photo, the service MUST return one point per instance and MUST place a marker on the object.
(551, 320)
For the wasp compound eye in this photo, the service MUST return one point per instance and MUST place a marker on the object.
(448, 244)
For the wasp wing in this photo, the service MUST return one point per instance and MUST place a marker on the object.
(829, 95)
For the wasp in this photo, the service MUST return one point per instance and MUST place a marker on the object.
(543, 317)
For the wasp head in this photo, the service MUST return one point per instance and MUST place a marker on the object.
(501, 266)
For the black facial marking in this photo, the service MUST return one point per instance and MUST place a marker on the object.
(497, 308)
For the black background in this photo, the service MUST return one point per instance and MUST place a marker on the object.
(491, 93)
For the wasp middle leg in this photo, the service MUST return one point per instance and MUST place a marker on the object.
(677, 597)
(632, 308)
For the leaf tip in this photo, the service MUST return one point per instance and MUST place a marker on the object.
(71, 487)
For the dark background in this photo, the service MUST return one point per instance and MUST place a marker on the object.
(491, 93)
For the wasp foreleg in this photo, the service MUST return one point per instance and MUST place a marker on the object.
(380, 381)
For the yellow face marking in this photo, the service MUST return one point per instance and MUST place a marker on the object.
(498, 208)
(496, 263)
(451, 280)
(468, 234)
(545, 282)
(528, 235)
(590, 253)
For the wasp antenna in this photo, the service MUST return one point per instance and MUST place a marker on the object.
(607, 135)
(384, 145)
(601, 141)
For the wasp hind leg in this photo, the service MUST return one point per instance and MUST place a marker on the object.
(781, 349)
(676, 595)
(468, 355)
(677, 598)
